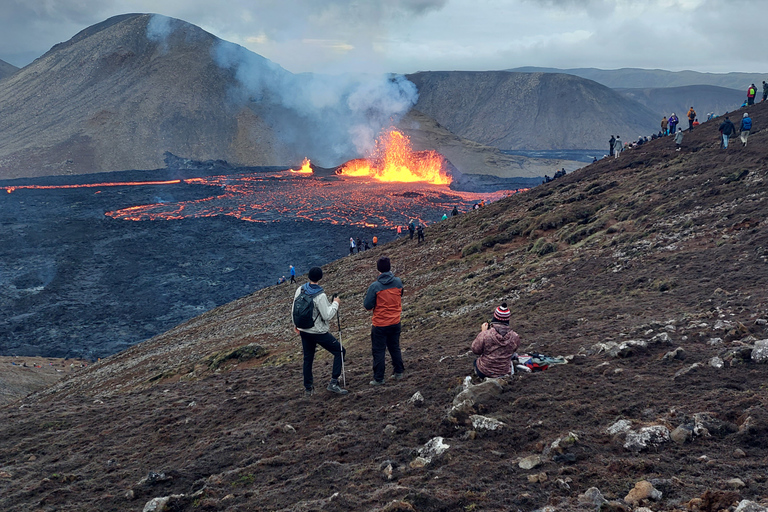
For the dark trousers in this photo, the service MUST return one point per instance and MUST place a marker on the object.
(411, 232)
(385, 339)
(293, 278)
(309, 343)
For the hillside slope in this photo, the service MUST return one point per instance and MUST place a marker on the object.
(654, 78)
(647, 272)
(7, 69)
(529, 110)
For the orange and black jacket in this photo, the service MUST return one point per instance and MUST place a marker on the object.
(384, 297)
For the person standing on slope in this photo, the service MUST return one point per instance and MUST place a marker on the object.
(611, 142)
(765, 90)
(318, 333)
(691, 118)
(618, 147)
(384, 298)
(678, 139)
(673, 120)
(495, 344)
(751, 93)
(664, 126)
(411, 228)
(727, 129)
(293, 274)
(746, 126)
(351, 246)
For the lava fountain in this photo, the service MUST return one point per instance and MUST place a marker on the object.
(306, 168)
(393, 160)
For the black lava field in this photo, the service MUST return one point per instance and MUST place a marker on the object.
(92, 264)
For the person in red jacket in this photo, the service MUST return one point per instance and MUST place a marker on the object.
(496, 344)
(384, 298)
(751, 93)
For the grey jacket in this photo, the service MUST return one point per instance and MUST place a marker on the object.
(325, 310)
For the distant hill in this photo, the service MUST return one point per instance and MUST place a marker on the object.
(7, 69)
(121, 93)
(634, 78)
(703, 98)
(529, 110)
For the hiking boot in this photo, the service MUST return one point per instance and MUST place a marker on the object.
(308, 392)
(375, 382)
(397, 376)
(335, 388)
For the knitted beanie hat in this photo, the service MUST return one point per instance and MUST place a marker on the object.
(502, 313)
(315, 274)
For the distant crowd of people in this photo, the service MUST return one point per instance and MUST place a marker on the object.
(669, 127)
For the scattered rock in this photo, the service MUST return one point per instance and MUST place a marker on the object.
(686, 370)
(662, 337)
(530, 462)
(735, 483)
(462, 411)
(288, 429)
(419, 462)
(538, 478)
(485, 423)
(157, 504)
(716, 362)
(682, 434)
(5, 474)
(714, 342)
(739, 453)
(153, 478)
(433, 449)
(614, 506)
(761, 321)
(592, 496)
(388, 468)
(561, 444)
(564, 484)
(129, 494)
(760, 352)
(678, 353)
(705, 424)
(646, 437)
(417, 399)
(619, 427)
(390, 430)
(31, 458)
(750, 506)
(643, 490)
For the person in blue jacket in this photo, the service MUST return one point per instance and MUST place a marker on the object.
(746, 125)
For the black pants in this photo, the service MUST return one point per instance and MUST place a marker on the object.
(293, 278)
(385, 339)
(309, 344)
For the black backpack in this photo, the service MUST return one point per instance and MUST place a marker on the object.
(304, 311)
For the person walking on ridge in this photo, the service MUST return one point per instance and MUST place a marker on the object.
(384, 298)
(351, 246)
(751, 93)
(293, 274)
(746, 126)
(726, 129)
(678, 139)
(495, 344)
(411, 228)
(691, 118)
(420, 231)
(323, 312)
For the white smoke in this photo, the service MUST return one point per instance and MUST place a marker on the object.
(330, 119)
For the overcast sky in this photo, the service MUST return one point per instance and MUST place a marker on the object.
(404, 36)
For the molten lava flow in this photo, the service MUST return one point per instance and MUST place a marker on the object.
(305, 167)
(91, 185)
(394, 160)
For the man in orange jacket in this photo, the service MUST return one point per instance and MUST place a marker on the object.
(384, 298)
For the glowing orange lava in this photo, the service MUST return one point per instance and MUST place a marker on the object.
(305, 167)
(393, 160)
(92, 185)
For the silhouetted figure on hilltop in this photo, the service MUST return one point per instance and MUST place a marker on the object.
(454, 212)
(765, 90)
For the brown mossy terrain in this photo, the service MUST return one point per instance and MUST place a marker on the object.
(614, 266)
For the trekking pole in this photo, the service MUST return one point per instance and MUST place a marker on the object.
(343, 373)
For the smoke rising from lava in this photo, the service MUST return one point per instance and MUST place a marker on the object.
(331, 119)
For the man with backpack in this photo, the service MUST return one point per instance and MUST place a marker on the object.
(751, 93)
(312, 312)
(691, 118)
(746, 125)
(384, 298)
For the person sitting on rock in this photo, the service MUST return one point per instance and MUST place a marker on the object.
(495, 345)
